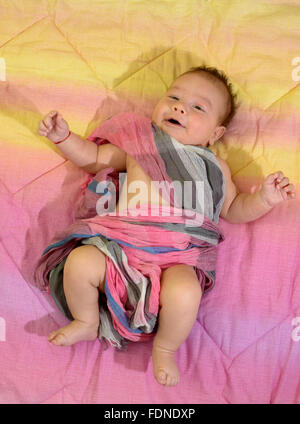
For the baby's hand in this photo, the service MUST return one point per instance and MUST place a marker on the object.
(277, 188)
(54, 127)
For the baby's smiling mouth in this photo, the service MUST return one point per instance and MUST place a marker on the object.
(174, 122)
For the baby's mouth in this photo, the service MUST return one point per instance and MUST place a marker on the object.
(174, 122)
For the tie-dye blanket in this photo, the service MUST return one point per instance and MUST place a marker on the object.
(139, 242)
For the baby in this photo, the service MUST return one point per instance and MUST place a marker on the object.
(194, 111)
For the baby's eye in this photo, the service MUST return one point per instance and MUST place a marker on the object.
(198, 108)
(174, 97)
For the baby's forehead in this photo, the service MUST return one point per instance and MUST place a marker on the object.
(201, 84)
(206, 79)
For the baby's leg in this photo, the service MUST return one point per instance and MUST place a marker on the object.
(84, 275)
(180, 297)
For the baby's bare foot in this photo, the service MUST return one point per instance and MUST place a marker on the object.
(74, 332)
(164, 366)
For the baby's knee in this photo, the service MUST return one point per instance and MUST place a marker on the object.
(181, 285)
(86, 262)
(189, 291)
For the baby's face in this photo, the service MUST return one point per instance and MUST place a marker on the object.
(191, 110)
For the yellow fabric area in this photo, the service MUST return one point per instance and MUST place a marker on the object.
(76, 56)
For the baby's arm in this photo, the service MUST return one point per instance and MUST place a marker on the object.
(244, 207)
(83, 153)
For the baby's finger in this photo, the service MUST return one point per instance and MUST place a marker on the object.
(42, 126)
(290, 188)
(279, 175)
(46, 123)
(60, 121)
(270, 179)
(44, 133)
(48, 119)
(282, 183)
(290, 196)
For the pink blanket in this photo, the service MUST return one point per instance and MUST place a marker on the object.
(244, 347)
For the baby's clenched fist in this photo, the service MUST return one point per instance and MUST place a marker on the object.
(54, 127)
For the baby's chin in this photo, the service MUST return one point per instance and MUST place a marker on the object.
(164, 128)
(177, 137)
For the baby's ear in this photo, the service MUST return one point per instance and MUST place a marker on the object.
(216, 135)
(255, 188)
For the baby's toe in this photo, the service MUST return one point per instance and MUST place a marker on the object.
(169, 381)
(174, 381)
(162, 377)
(51, 335)
(57, 339)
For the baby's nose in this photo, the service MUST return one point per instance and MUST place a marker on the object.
(179, 108)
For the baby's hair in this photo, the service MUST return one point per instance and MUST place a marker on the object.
(214, 73)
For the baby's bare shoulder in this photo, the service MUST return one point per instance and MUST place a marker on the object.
(224, 166)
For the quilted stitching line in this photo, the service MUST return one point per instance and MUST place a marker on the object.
(23, 30)
(238, 87)
(282, 97)
(5, 187)
(249, 163)
(257, 340)
(79, 54)
(61, 390)
(36, 294)
(214, 342)
(242, 351)
(11, 258)
(38, 177)
(153, 60)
